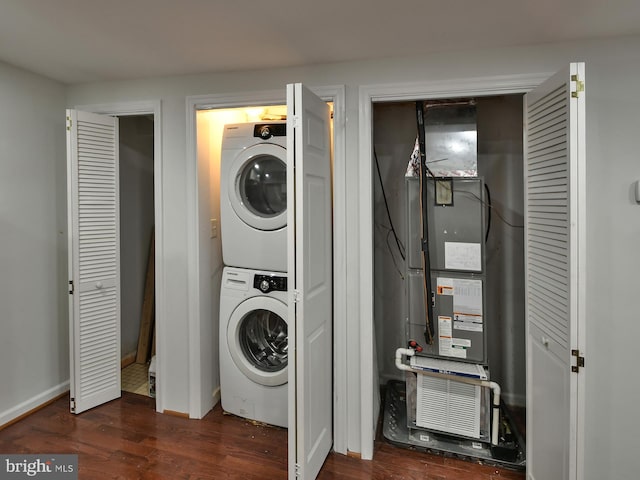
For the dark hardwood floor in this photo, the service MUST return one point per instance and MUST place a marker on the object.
(127, 439)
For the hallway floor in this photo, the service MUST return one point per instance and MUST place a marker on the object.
(127, 438)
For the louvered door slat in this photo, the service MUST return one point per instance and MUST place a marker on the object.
(549, 198)
(94, 259)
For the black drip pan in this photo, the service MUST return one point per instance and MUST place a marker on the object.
(509, 453)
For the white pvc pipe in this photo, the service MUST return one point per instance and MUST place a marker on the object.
(495, 388)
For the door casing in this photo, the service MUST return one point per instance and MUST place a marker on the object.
(153, 107)
(335, 94)
(369, 94)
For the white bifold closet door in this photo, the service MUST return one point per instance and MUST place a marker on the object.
(555, 274)
(94, 258)
(310, 281)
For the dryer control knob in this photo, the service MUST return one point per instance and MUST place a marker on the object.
(265, 286)
(265, 132)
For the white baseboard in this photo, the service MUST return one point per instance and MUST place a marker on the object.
(32, 403)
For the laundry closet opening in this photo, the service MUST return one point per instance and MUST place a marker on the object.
(137, 252)
(400, 312)
(242, 257)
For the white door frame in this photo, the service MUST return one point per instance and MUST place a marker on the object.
(151, 107)
(368, 94)
(335, 94)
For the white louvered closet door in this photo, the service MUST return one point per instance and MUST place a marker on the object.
(555, 236)
(94, 258)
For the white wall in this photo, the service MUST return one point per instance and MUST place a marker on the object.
(613, 72)
(613, 228)
(34, 353)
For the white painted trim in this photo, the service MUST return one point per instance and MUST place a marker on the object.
(582, 241)
(193, 265)
(336, 94)
(340, 344)
(153, 107)
(236, 100)
(33, 402)
(498, 85)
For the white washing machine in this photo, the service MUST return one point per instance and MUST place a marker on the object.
(254, 345)
(253, 196)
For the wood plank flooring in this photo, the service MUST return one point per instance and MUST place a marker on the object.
(127, 439)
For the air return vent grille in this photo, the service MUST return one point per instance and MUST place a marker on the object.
(448, 406)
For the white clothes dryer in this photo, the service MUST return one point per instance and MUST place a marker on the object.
(254, 345)
(253, 196)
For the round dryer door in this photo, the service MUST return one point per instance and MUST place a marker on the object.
(258, 341)
(259, 194)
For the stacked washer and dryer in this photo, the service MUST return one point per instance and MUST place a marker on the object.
(253, 297)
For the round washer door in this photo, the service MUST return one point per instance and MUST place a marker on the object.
(258, 180)
(258, 341)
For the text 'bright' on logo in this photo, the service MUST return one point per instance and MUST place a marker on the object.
(53, 467)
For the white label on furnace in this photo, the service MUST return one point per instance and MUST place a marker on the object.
(461, 342)
(462, 256)
(444, 336)
(458, 352)
(448, 346)
(468, 323)
(445, 286)
(467, 305)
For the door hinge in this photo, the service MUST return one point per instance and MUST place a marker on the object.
(295, 121)
(69, 122)
(297, 470)
(70, 287)
(579, 361)
(579, 86)
(296, 296)
(73, 405)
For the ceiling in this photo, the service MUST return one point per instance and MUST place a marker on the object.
(75, 41)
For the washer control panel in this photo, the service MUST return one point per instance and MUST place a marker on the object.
(267, 130)
(270, 283)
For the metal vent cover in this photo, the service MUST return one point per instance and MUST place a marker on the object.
(448, 406)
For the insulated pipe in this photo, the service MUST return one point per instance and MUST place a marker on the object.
(495, 388)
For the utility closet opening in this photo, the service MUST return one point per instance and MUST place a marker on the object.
(137, 271)
(467, 229)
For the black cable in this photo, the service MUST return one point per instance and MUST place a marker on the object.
(386, 204)
(495, 210)
(393, 258)
(391, 254)
(486, 237)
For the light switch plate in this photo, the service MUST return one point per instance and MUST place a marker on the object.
(214, 227)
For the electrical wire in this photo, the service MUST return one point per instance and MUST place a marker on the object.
(495, 210)
(486, 236)
(389, 247)
(386, 204)
(486, 204)
(393, 258)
